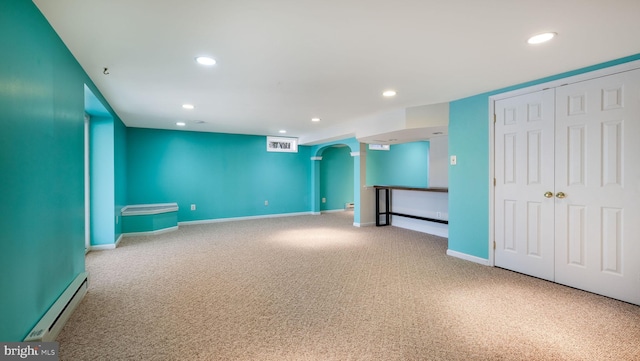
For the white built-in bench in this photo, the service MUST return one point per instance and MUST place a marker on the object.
(143, 219)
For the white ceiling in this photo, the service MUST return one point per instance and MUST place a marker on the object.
(282, 62)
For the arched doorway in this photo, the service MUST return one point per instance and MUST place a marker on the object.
(363, 198)
(336, 179)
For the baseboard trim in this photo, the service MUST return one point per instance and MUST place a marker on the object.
(233, 219)
(118, 240)
(334, 210)
(368, 224)
(468, 257)
(151, 233)
(102, 247)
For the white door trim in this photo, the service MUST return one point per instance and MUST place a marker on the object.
(530, 89)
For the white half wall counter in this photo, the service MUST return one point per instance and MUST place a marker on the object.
(420, 209)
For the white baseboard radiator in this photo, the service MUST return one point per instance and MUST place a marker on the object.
(50, 325)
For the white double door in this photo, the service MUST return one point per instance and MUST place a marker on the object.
(567, 192)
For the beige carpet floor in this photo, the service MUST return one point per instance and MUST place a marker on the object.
(317, 288)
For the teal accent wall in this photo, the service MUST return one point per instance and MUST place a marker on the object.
(336, 178)
(224, 175)
(108, 179)
(120, 174)
(469, 179)
(108, 171)
(102, 180)
(42, 167)
(93, 106)
(404, 164)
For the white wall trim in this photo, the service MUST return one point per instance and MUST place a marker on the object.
(316, 213)
(620, 68)
(355, 154)
(220, 220)
(367, 224)
(316, 158)
(334, 210)
(492, 176)
(102, 247)
(151, 233)
(468, 257)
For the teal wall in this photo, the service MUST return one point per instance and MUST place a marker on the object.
(225, 175)
(469, 179)
(120, 174)
(102, 180)
(108, 166)
(108, 170)
(404, 164)
(42, 167)
(336, 178)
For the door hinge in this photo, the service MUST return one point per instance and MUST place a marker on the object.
(494, 118)
(494, 182)
(494, 245)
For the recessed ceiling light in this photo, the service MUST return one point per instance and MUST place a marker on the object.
(181, 124)
(541, 38)
(315, 119)
(389, 93)
(205, 60)
(282, 131)
(188, 106)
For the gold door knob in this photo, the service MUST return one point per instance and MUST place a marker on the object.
(560, 195)
(548, 195)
